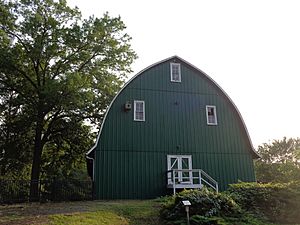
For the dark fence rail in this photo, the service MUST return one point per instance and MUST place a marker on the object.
(16, 191)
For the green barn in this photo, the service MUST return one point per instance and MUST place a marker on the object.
(170, 127)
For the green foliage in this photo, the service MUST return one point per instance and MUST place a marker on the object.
(197, 219)
(242, 220)
(13, 191)
(63, 156)
(243, 203)
(276, 172)
(204, 202)
(279, 162)
(15, 141)
(58, 73)
(278, 203)
(285, 150)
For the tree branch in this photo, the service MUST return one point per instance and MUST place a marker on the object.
(66, 60)
(26, 77)
(48, 131)
(10, 88)
(22, 43)
(27, 51)
(87, 61)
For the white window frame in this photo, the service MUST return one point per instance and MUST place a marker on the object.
(134, 113)
(215, 115)
(179, 70)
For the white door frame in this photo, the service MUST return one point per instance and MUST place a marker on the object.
(179, 163)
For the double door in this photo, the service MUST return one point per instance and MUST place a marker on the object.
(181, 166)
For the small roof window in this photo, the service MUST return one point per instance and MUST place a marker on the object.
(139, 110)
(211, 115)
(175, 72)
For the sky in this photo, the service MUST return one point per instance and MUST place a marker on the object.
(250, 48)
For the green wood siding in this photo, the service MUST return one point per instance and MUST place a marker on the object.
(131, 156)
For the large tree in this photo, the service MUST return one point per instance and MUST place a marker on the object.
(57, 70)
(280, 161)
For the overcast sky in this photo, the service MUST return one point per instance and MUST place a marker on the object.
(250, 48)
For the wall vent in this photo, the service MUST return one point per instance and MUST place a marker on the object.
(127, 106)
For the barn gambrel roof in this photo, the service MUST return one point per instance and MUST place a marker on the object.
(90, 154)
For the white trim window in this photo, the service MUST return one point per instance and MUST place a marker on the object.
(175, 72)
(211, 115)
(139, 110)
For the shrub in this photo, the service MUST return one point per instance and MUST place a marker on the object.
(204, 202)
(66, 190)
(13, 191)
(243, 219)
(242, 203)
(278, 203)
(197, 219)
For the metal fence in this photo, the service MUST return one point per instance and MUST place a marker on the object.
(16, 191)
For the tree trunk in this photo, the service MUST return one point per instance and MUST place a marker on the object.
(36, 162)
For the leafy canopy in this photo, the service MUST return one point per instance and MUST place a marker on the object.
(57, 72)
(279, 162)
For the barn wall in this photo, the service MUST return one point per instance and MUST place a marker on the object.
(131, 157)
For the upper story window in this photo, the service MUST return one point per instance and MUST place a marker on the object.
(139, 110)
(175, 72)
(211, 115)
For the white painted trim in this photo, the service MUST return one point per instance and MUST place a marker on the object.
(134, 111)
(171, 72)
(215, 115)
(179, 163)
(179, 156)
(182, 186)
(196, 68)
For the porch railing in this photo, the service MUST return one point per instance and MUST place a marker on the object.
(194, 178)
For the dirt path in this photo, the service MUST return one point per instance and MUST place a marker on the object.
(36, 213)
(134, 211)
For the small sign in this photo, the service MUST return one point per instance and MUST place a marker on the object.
(186, 203)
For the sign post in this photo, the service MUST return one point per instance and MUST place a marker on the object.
(187, 203)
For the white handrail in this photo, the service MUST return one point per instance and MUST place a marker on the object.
(203, 178)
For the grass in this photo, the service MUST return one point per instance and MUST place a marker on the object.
(138, 212)
(121, 212)
(92, 218)
(91, 212)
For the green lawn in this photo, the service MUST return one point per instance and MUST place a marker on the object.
(91, 212)
(98, 217)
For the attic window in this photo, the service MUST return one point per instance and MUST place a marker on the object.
(175, 72)
(139, 111)
(211, 115)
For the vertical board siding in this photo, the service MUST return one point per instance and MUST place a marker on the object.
(131, 156)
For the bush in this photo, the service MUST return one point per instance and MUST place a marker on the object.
(14, 191)
(204, 202)
(278, 203)
(242, 203)
(66, 190)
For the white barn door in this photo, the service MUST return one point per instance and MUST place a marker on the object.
(180, 162)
